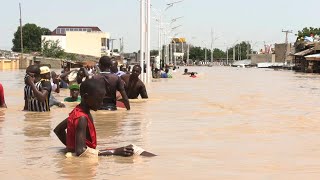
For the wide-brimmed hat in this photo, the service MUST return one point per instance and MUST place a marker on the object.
(44, 70)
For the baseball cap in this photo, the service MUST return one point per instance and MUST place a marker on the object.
(74, 87)
(44, 70)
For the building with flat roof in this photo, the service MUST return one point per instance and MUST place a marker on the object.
(86, 40)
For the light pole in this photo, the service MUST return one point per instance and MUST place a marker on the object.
(205, 52)
(148, 39)
(234, 50)
(161, 29)
(111, 40)
(188, 50)
(142, 36)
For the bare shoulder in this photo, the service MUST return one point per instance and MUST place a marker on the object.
(125, 76)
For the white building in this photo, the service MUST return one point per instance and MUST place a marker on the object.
(84, 40)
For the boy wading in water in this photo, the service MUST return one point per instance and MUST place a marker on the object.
(80, 137)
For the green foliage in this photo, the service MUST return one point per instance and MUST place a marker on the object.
(154, 53)
(218, 53)
(52, 49)
(70, 56)
(31, 34)
(307, 31)
(245, 49)
(198, 53)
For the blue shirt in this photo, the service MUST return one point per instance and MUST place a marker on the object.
(164, 75)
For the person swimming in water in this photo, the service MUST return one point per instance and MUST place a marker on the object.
(192, 75)
(80, 137)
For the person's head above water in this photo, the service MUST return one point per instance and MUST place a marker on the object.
(53, 75)
(33, 69)
(92, 92)
(192, 74)
(136, 71)
(185, 70)
(167, 70)
(66, 68)
(45, 72)
(105, 62)
(114, 66)
(34, 72)
(74, 91)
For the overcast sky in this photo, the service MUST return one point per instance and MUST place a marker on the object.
(250, 20)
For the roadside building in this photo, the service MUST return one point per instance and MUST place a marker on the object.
(86, 40)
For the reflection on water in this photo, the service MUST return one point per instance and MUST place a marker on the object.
(37, 125)
(228, 123)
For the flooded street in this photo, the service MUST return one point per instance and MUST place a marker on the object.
(229, 123)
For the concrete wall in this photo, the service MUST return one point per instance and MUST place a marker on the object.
(61, 39)
(51, 62)
(259, 58)
(87, 43)
(282, 51)
(6, 64)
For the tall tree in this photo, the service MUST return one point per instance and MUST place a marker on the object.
(307, 31)
(31, 34)
(154, 53)
(52, 49)
(241, 50)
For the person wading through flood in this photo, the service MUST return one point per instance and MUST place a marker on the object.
(80, 138)
(133, 85)
(112, 84)
(2, 101)
(38, 89)
(114, 68)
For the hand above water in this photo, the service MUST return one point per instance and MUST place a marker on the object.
(124, 151)
(30, 80)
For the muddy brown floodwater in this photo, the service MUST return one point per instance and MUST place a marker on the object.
(229, 123)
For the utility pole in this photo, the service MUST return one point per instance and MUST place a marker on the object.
(21, 38)
(227, 56)
(248, 49)
(175, 50)
(121, 46)
(234, 53)
(286, 42)
(211, 46)
(111, 40)
(287, 32)
(188, 53)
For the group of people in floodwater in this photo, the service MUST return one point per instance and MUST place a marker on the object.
(103, 87)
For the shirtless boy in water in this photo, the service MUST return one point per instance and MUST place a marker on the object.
(80, 137)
